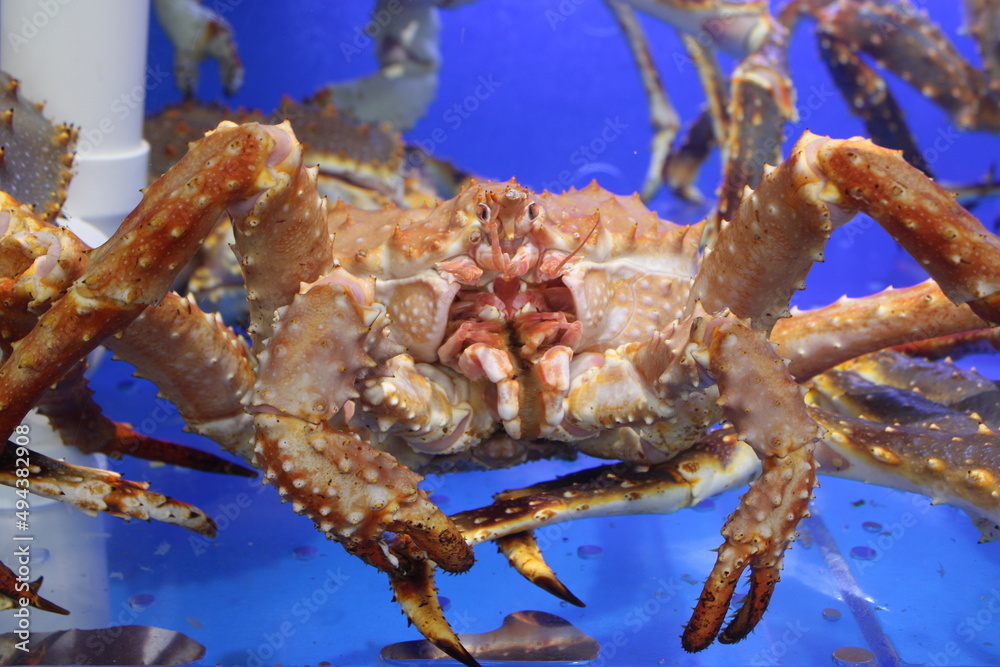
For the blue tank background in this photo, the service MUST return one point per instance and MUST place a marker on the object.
(555, 80)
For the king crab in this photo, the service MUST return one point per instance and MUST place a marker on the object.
(501, 315)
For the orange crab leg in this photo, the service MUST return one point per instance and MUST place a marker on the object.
(822, 185)
(869, 97)
(72, 411)
(92, 490)
(136, 267)
(816, 340)
(202, 367)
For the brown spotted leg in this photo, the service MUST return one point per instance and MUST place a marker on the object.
(324, 343)
(92, 490)
(764, 403)
(785, 223)
(816, 340)
(904, 41)
(135, 268)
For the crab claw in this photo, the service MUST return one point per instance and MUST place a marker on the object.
(757, 535)
(413, 586)
(764, 404)
(321, 347)
(12, 591)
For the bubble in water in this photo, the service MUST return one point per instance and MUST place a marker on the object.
(863, 553)
(831, 614)
(306, 552)
(872, 526)
(590, 551)
(141, 601)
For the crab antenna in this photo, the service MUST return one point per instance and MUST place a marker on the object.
(597, 221)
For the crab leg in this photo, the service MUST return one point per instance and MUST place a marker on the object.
(982, 20)
(202, 367)
(11, 590)
(136, 267)
(816, 340)
(955, 346)
(821, 185)
(80, 422)
(868, 96)
(952, 245)
(737, 27)
(663, 116)
(325, 341)
(294, 246)
(905, 42)
(198, 32)
(680, 170)
(762, 100)
(92, 490)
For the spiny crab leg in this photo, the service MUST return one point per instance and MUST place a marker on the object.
(135, 268)
(202, 367)
(72, 411)
(93, 490)
(904, 41)
(326, 339)
(822, 185)
(816, 340)
(797, 205)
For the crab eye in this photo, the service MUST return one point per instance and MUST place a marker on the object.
(483, 212)
(534, 210)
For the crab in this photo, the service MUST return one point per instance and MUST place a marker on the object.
(745, 109)
(501, 319)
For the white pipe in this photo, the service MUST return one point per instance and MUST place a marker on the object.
(87, 62)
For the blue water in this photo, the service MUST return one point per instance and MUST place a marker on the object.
(270, 590)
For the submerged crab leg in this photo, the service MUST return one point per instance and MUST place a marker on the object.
(764, 403)
(202, 367)
(762, 101)
(982, 21)
(815, 340)
(662, 114)
(282, 241)
(868, 96)
(11, 590)
(72, 411)
(92, 490)
(822, 185)
(135, 268)
(325, 341)
(904, 41)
